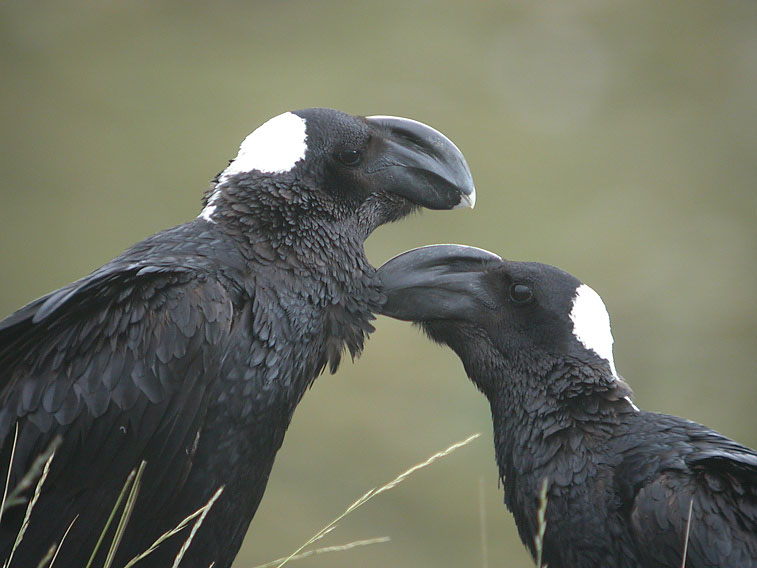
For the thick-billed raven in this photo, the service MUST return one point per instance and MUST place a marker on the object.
(622, 484)
(191, 350)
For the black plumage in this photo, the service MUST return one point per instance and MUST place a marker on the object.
(191, 350)
(620, 480)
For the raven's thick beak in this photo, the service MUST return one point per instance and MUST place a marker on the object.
(437, 282)
(422, 165)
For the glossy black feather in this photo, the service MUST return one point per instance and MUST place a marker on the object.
(84, 364)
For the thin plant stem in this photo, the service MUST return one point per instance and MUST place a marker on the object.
(48, 555)
(32, 474)
(10, 467)
(327, 549)
(688, 531)
(113, 511)
(125, 516)
(374, 492)
(482, 524)
(62, 540)
(30, 508)
(542, 522)
(166, 535)
(195, 528)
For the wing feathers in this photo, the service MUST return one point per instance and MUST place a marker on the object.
(119, 364)
(717, 477)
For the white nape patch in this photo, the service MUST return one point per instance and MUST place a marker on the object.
(591, 324)
(628, 399)
(273, 148)
(210, 208)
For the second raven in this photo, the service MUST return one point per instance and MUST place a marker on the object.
(625, 487)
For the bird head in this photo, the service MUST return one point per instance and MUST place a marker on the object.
(325, 162)
(493, 311)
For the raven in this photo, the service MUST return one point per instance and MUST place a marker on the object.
(625, 487)
(191, 350)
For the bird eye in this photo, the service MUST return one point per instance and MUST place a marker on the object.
(521, 294)
(350, 157)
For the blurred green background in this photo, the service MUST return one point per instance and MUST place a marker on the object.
(615, 139)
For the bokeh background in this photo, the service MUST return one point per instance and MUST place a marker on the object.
(615, 139)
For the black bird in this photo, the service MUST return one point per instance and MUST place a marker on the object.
(191, 350)
(620, 481)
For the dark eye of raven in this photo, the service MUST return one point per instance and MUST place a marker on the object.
(521, 294)
(350, 157)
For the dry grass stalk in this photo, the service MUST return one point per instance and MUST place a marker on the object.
(197, 525)
(374, 492)
(48, 555)
(56, 548)
(482, 524)
(542, 520)
(688, 531)
(27, 480)
(30, 508)
(8, 477)
(125, 516)
(168, 534)
(114, 510)
(327, 549)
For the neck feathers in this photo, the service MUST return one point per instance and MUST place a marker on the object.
(558, 407)
(279, 222)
